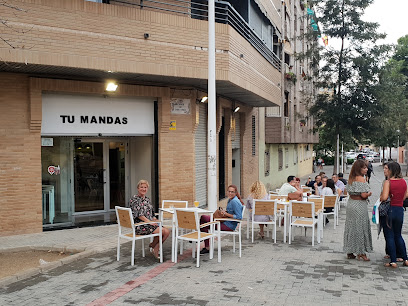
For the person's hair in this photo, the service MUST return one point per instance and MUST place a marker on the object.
(336, 175)
(340, 175)
(143, 182)
(258, 190)
(385, 164)
(356, 169)
(395, 170)
(317, 176)
(330, 184)
(297, 179)
(322, 174)
(290, 178)
(236, 193)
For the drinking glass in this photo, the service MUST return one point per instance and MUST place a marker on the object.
(196, 203)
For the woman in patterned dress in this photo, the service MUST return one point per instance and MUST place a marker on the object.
(357, 231)
(142, 211)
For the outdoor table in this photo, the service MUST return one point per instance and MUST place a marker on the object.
(173, 227)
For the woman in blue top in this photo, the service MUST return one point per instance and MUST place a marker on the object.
(233, 210)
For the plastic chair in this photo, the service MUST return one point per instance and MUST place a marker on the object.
(302, 214)
(319, 209)
(264, 207)
(189, 220)
(236, 232)
(330, 201)
(125, 221)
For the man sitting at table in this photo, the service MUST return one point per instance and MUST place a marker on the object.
(292, 189)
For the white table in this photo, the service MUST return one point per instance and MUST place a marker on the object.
(173, 227)
(285, 218)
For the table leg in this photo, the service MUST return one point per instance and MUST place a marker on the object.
(285, 220)
(173, 238)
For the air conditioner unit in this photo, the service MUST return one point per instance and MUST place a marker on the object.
(287, 121)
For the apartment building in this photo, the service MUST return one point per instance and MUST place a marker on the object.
(286, 131)
(71, 150)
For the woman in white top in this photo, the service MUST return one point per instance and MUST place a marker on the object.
(329, 189)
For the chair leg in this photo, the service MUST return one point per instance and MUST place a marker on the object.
(133, 253)
(290, 234)
(274, 233)
(175, 249)
(198, 253)
(233, 243)
(219, 247)
(252, 231)
(161, 245)
(193, 249)
(313, 230)
(248, 226)
(143, 248)
(118, 251)
(239, 238)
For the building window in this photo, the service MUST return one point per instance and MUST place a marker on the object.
(286, 105)
(280, 159)
(286, 157)
(267, 162)
(295, 154)
(253, 136)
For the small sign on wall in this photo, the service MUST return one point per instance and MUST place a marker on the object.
(172, 125)
(180, 106)
(47, 142)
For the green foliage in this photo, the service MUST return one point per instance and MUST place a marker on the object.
(350, 72)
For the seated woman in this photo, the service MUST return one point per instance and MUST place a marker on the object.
(258, 192)
(142, 211)
(233, 210)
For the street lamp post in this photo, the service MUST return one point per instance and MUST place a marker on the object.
(398, 146)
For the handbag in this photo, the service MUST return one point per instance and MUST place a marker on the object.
(218, 214)
(384, 207)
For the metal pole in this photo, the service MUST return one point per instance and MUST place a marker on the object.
(342, 158)
(211, 136)
(398, 150)
(337, 154)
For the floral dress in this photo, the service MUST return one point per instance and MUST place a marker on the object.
(357, 231)
(142, 207)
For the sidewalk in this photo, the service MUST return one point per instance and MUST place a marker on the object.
(267, 273)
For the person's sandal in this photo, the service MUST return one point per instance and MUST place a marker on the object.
(405, 263)
(363, 257)
(351, 256)
(261, 235)
(391, 265)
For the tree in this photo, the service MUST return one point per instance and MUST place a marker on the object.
(349, 71)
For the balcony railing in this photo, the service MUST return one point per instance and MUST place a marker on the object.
(224, 13)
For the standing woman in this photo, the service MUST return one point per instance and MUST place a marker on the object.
(357, 232)
(395, 188)
(142, 211)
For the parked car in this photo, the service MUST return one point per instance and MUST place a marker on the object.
(361, 156)
(374, 158)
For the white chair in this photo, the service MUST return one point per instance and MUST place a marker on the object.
(126, 224)
(189, 220)
(280, 207)
(319, 209)
(236, 232)
(330, 201)
(264, 207)
(165, 216)
(302, 214)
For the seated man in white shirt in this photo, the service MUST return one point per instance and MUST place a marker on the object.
(292, 189)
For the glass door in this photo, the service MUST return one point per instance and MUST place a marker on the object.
(117, 183)
(89, 175)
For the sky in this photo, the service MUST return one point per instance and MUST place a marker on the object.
(392, 15)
